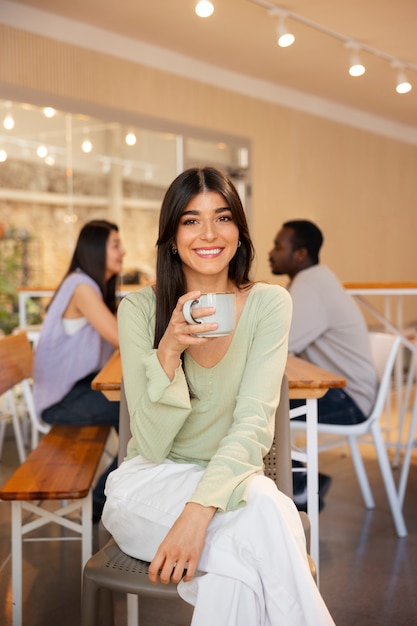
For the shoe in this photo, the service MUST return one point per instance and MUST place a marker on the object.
(300, 498)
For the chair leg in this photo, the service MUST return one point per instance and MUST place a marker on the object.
(361, 473)
(16, 426)
(407, 455)
(132, 609)
(89, 602)
(2, 432)
(389, 483)
(405, 404)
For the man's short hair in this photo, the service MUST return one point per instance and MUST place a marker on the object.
(306, 235)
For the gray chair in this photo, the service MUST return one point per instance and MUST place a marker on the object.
(112, 570)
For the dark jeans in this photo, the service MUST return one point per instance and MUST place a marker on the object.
(335, 407)
(82, 406)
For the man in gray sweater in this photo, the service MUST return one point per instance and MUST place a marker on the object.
(327, 329)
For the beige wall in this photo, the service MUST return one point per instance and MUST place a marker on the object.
(360, 188)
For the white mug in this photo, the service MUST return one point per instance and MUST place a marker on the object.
(224, 315)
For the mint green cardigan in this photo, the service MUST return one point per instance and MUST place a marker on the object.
(226, 424)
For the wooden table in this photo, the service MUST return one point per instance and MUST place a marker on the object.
(305, 381)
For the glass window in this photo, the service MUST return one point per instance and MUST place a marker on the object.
(59, 169)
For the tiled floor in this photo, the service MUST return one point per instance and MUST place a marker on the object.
(368, 576)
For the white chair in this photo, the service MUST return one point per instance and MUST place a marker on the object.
(409, 446)
(406, 406)
(8, 410)
(16, 358)
(384, 348)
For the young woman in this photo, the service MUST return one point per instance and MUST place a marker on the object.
(78, 336)
(191, 494)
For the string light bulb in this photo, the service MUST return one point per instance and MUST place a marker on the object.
(130, 138)
(42, 151)
(8, 122)
(49, 112)
(3, 156)
(49, 160)
(86, 145)
(204, 8)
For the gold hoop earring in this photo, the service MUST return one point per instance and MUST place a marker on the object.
(239, 243)
(174, 250)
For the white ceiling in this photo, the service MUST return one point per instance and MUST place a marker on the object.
(240, 36)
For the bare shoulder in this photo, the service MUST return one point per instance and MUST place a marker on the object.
(84, 298)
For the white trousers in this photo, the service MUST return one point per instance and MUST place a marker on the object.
(253, 570)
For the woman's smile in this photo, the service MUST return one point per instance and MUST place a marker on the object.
(208, 252)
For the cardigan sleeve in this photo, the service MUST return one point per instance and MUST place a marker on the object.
(158, 407)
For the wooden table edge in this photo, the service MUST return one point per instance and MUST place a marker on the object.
(108, 379)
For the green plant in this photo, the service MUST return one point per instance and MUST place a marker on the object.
(12, 269)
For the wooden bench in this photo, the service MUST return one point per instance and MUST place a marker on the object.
(62, 468)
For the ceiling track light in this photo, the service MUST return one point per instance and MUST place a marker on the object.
(402, 83)
(284, 37)
(204, 8)
(356, 67)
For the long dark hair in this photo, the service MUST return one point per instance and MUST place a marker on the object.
(170, 279)
(90, 257)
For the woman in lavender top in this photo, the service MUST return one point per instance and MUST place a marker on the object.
(78, 336)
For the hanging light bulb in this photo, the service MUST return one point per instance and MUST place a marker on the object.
(204, 8)
(86, 146)
(403, 86)
(3, 156)
(49, 112)
(284, 37)
(130, 138)
(42, 151)
(8, 122)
